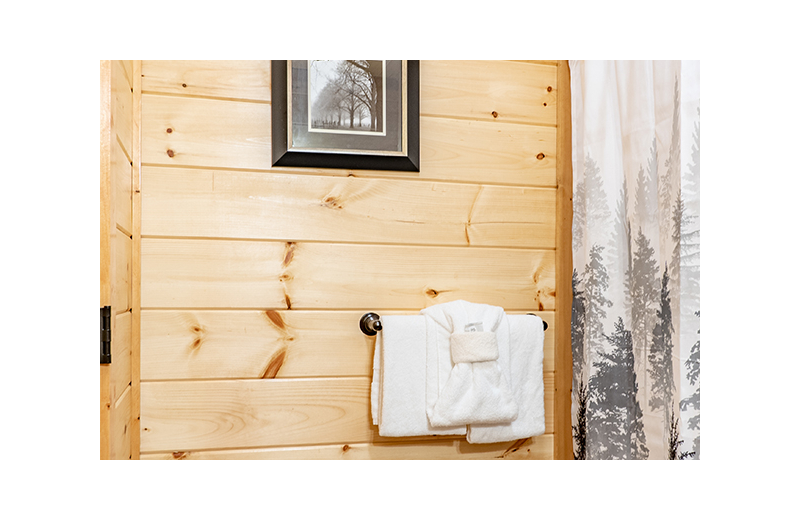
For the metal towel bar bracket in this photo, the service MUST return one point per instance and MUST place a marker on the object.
(370, 323)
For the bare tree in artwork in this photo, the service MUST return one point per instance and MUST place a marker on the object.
(346, 95)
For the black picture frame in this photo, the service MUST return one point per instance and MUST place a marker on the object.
(332, 155)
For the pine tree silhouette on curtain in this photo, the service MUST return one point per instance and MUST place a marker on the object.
(636, 269)
(660, 357)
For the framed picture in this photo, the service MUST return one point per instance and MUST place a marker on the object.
(353, 114)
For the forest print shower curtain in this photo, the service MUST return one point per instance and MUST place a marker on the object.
(636, 259)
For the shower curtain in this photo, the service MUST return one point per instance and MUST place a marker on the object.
(636, 259)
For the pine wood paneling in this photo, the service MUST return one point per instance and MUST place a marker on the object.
(535, 448)
(196, 415)
(230, 204)
(121, 291)
(254, 278)
(489, 90)
(220, 79)
(120, 355)
(490, 152)
(211, 133)
(121, 170)
(123, 106)
(193, 344)
(184, 131)
(120, 440)
(245, 274)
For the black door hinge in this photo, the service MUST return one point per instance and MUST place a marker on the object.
(105, 335)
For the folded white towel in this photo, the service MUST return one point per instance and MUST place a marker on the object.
(468, 381)
(398, 379)
(526, 378)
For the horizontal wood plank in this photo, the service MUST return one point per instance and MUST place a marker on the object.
(211, 133)
(269, 275)
(121, 289)
(230, 204)
(489, 90)
(534, 448)
(122, 103)
(197, 415)
(121, 172)
(192, 344)
(232, 79)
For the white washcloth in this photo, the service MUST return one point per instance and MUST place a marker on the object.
(398, 379)
(527, 356)
(468, 378)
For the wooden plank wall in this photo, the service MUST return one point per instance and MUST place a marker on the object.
(253, 278)
(119, 255)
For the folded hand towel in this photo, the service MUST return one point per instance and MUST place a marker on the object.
(468, 378)
(398, 379)
(526, 379)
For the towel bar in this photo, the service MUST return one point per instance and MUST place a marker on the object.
(370, 323)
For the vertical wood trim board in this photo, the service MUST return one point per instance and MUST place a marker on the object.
(252, 277)
(563, 356)
(136, 257)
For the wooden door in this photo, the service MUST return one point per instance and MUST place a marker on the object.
(119, 400)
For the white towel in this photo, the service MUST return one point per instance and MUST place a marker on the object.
(398, 379)
(526, 378)
(469, 356)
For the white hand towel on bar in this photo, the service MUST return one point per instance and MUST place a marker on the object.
(468, 362)
(527, 356)
(398, 379)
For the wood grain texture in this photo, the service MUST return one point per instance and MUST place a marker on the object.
(535, 448)
(122, 106)
(121, 290)
(136, 210)
(192, 344)
(489, 91)
(205, 132)
(490, 152)
(563, 332)
(196, 415)
(120, 438)
(106, 243)
(231, 79)
(121, 171)
(230, 204)
(246, 274)
(120, 355)
(211, 133)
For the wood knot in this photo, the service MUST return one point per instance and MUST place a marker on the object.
(170, 153)
(540, 156)
(169, 130)
(331, 202)
(433, 293)
(276, 319)
(183, 85)
(286, 277)
(288, 254)
(275, 364)
(494, 114)
(199, 336)
(345, 448)
(545, 104)
(549, 89)
(178, 455)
